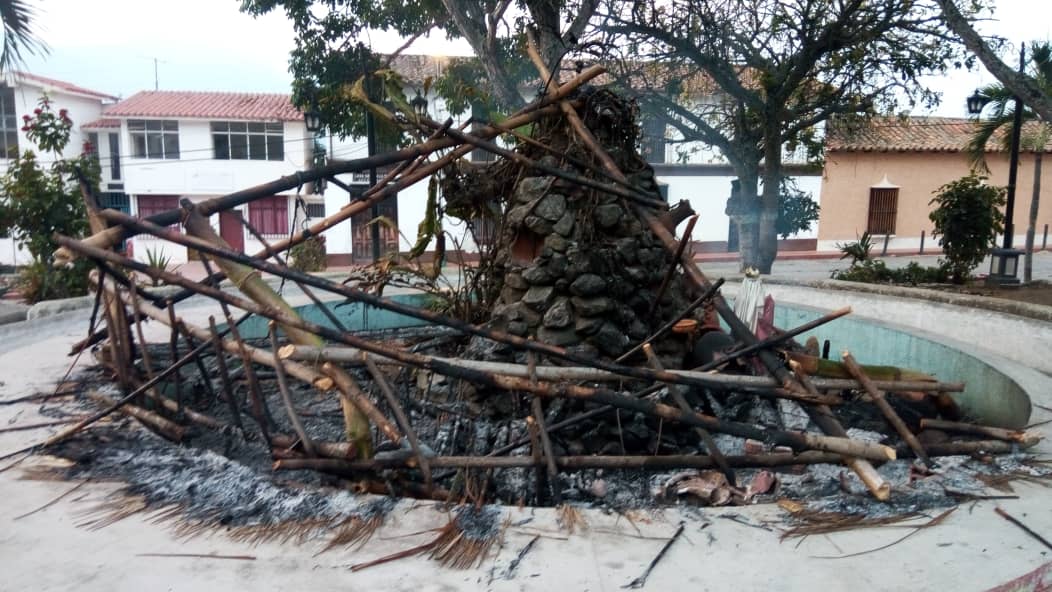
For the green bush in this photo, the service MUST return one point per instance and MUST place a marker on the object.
(874, 271)
(39, 281)
(309, 255)
(796, 210)
(967, 219)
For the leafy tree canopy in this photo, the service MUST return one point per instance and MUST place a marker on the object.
(332, 48)
(751, 77)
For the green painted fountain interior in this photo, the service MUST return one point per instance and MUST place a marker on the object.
(990, 396)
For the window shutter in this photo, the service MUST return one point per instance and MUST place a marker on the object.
(883, 210)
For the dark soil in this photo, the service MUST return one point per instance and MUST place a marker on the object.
(1039, 292)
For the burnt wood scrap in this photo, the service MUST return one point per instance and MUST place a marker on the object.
(586, 343)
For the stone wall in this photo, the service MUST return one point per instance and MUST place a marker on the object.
(581, 270)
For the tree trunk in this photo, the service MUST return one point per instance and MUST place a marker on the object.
(1031, 226)
(744, 210)
(767, 231)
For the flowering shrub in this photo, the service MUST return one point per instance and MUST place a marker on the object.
(38, 201)
(47, 129)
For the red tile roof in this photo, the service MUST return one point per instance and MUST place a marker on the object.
(62, 85)
(102, 124)
(908, 134)
(206, 105)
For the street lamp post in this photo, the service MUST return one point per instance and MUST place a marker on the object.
(370, 138)
(1004, 262)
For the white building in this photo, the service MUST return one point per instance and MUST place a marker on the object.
(20, 94)
(166, 145)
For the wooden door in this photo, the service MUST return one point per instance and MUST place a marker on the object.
(231, 229)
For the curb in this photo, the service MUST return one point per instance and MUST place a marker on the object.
(1001, 305)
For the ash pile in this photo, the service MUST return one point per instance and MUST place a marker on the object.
(582, 359)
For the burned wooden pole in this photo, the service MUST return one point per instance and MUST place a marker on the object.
(797, 440)
(885, 408)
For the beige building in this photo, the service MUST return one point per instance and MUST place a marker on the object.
(881, 177)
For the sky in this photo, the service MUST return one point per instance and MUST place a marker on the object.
(113, 46)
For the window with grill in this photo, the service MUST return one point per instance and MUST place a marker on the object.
(270, 215)
(115, 200)
(8, 123)
(316, 210)
(240, 140)
(883, 209)
(154, 138)
(115, 157)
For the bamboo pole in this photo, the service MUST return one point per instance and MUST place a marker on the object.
(794, 439)
(776, 339)
(702, 299)
(978, 430)
(221, 368)
(665, 281)
(286, 396)
(251, 283)
(885, 408)
(823, 417)
(400, 417)
(651, 462)
(706, 437)
(350, 355)
(155, 422)
(218, 251)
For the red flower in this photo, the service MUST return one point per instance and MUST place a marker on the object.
(62, 112)
(25, 128)
(25, 118)
(37, 111)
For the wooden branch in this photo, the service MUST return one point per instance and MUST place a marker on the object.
(403, 421)
(776, 339)
(702, 299)
(683, 242)
(652, 462)
(979, 430)
(794, 439)
(155, 422)
(885, 408)
(706, 437)
(212, 249)
(286, 396)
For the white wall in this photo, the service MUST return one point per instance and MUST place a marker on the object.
(197, 172)
(708, 196)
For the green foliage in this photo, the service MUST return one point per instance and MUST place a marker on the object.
(797, 211)
(309, 255)
(38, 202)
(1000, 105)
(967, 219)
(19, 20)
(859, 251)
(40, 281)
(875, 271)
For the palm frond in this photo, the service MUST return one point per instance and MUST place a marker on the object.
(18, 18)
(984, 130)
(1041, 57)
